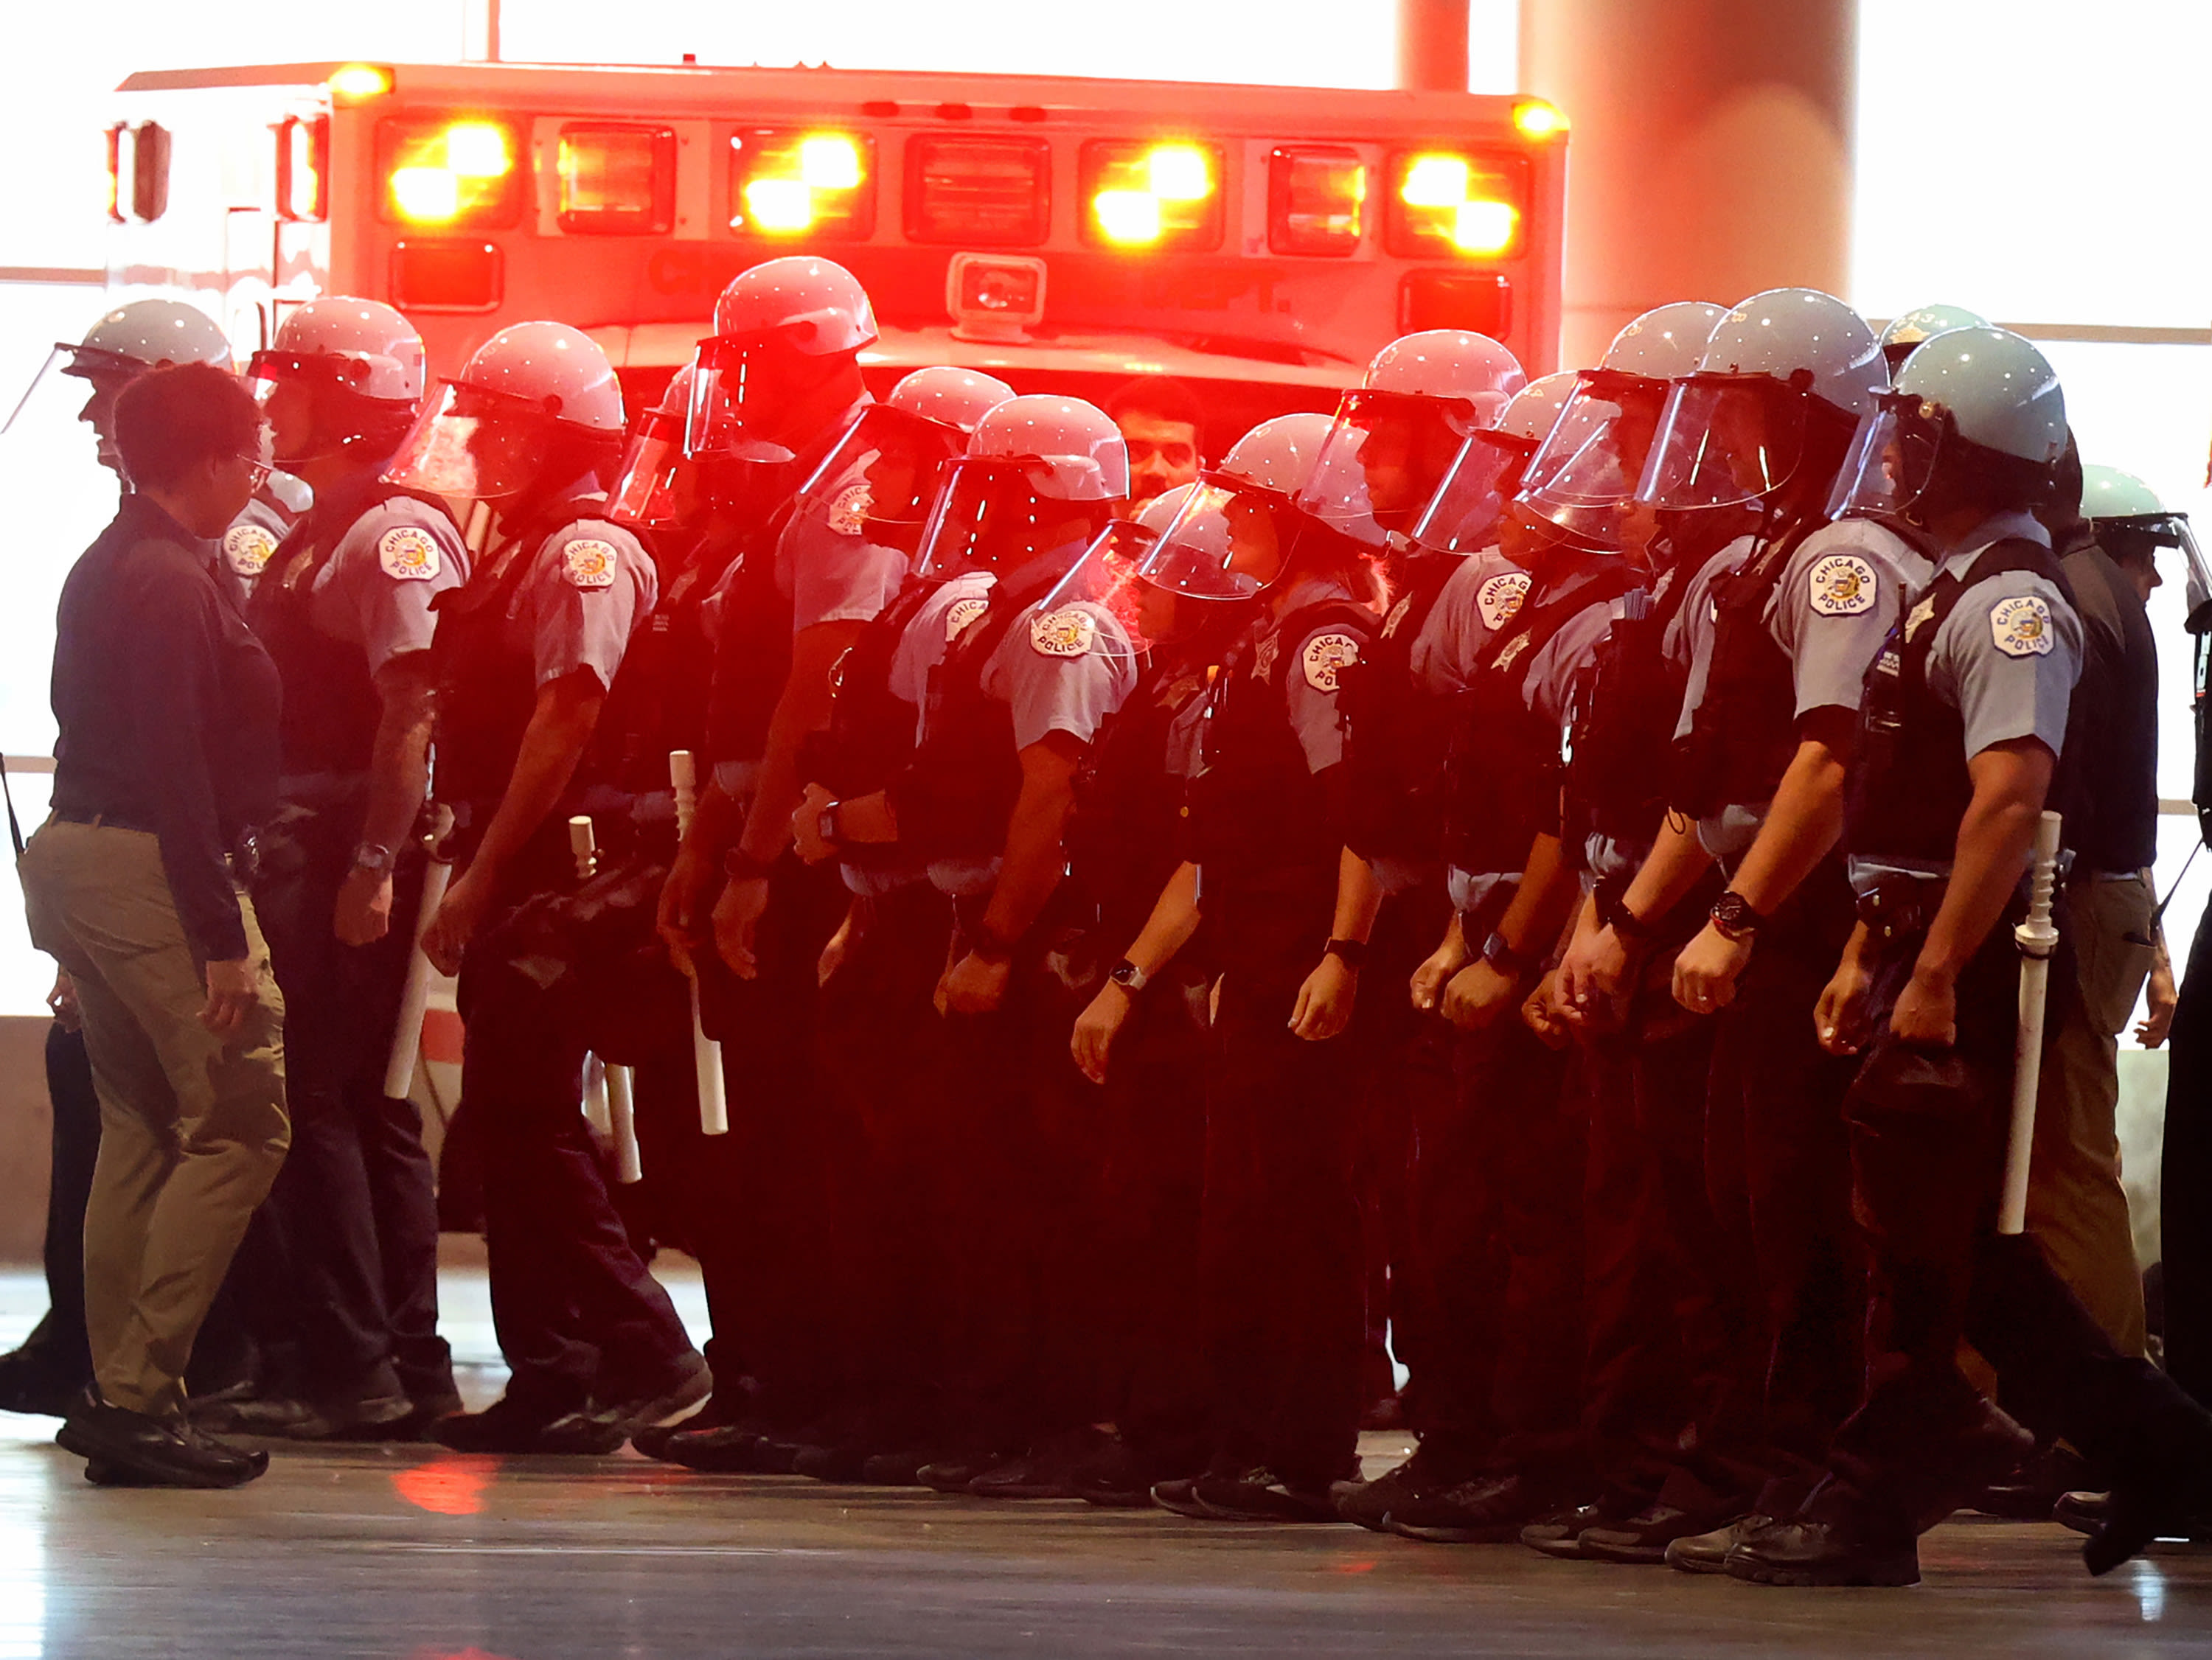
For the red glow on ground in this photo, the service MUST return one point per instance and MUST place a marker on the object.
(1367, 1566)
(448, 1487)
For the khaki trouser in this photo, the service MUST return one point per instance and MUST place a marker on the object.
(192, 1129)
(2076, 1207)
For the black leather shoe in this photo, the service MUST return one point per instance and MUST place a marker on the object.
(953, 1473)
(1487, 1510)
(841, 1464)
(1181, 1496)
(33, 1382)
(1808, 1552)
(1645, 1537)
(1262, 1495)
(721, 1449)
(901, 1468)
(607, 1423)
(153, 1451)
(1121, 1476)
(356, 1418)
(1708, 1552)
(506, 1426)
(1045, 1471)
(1560, 1534)
(1372, 1504)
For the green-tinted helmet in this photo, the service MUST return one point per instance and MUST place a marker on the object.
(2108, 493)
(1924, 323)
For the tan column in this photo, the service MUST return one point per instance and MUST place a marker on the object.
(1711, 155)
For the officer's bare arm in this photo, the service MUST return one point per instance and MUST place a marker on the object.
(399, 768)
(802, 708)
(2011, 782)
(560, 726)
(1175, 918)
(1359, 898)
(1807, 815)
(1669, 870)
(1033, 859)
(1541, 903)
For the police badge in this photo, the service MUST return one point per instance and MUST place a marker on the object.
(589, 563)
(407, 553)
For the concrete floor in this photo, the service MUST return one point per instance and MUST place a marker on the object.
(417, 1554)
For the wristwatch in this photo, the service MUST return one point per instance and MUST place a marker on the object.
(1352, 954)
(371, 856)
(1613, 912)
(1503, 958)
(1126, 975)
(829, 824)
(1733, 918)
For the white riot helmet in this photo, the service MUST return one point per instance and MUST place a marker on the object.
(1975, 412)
(648, 491)
(1109, 581)
(881, 475)
(1462, 516)
(1031, 462)
(2131, 522)
(485, 435)
(125, 342)
(1242, 517)
(1780, 388)
(799, 305)
(1583, 475)
(1398, 432)
(363, 362)
(1924, 323)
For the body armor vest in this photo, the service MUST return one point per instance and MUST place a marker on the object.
(1745, 730)
(1616, 777)
(1909, 787)
(956, 795)
(657, 703)
(1396, 732)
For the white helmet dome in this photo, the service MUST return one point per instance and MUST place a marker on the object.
(2108, 493)
(1924, 323)
(1077, 448)
(1160, 512)
(955, 397)
(2000, 392)
(815, 304)
(375, 351)
(1809, 340)
(147, 334)
(559, 369)
(1536, 407)
(1279, 453)
(1666, 342)
(1448, 363)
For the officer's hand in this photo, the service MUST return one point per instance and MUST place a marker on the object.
(1592, 973)
(1839, 1018)
(684, 896)
(457, 921)
(972, 986)
(1477, 995)
(234, 993)
(1541, 1012)
(363, 914)
(833, 955)
(1096, 1027)
(1927, 1011)
(736, 920)
(2161, 997)
(62, 1001)
(1324, 1006)
(807, 825)
(1705, 971)
(1431, 978)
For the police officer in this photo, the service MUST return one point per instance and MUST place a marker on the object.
(1777, 633)
(44, 1375)
(1906, 330)
(1281, 1260)
(1963, 720)
(525, 654)
(345, 607)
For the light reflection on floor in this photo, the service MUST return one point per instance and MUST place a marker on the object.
(410, 1554)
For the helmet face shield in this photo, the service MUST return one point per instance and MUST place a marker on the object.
(1220, 545)
(1106, 583)
(898, 455)
(473, 445)
(1891, 461)
(1382, 462)
(656, 486)
(1583, 475)
(982, 501)
(1724, 441)
(737, 387)
(1462, 516)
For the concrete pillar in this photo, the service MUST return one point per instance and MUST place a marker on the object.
(1432, 45)
(1711, 156)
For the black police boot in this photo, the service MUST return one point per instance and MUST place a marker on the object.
(1707, 1553)
(628, 1408)
(1435, 1467)
(1837, 1539)
(1492, 1508)
(136, 1449)
(508, 1424)
(1261, 1495)
(368, 1409)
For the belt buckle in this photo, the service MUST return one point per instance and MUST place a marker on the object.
(1891, 909)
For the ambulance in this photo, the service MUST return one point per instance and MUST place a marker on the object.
(1258, 243)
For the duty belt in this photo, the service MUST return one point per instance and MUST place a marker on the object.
(1898, 907)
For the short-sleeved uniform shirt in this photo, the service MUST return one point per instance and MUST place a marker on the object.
(1477, 599)
(376, 588)
(827, 566)
(249, 544)
(2006, 658)
(1310, 680)
(1829, 612)
(590, 587)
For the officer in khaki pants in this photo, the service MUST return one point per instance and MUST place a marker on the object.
(168, 709)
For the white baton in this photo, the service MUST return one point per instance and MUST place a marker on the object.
(706, 1053)
(415, 998)
(2037, 938)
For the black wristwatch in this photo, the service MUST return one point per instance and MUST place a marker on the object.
(1126, 975)
(1733, 918)
(1351, 953)
(1503, 958)
(1611, 896)
(829, 824)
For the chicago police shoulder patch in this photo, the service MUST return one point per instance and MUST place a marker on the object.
(962, 615)
(587, 563)
(1397, 616)
(848, 513)
(1325, 654)
(2021, 626)
(1842, 585)
(407, 553)
(246, 548)
(1066, 632)
(1499, 598)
